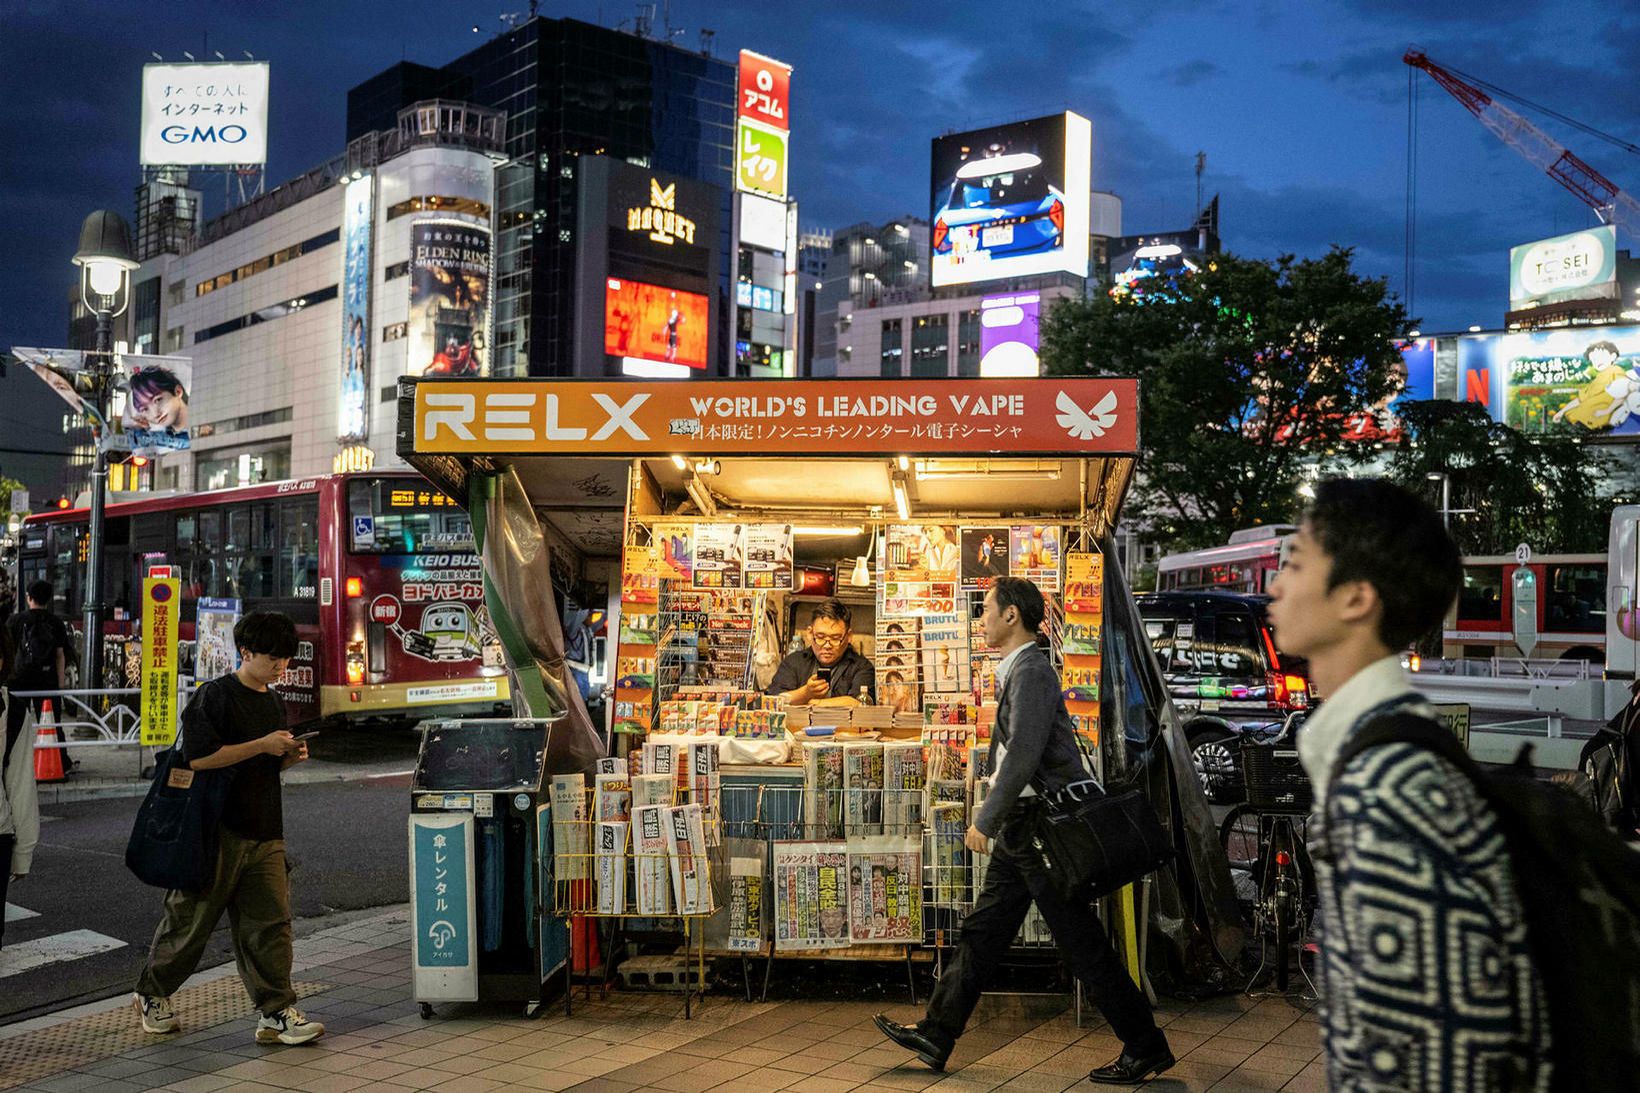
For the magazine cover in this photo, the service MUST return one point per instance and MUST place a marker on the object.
(569, 826)
(902, 787)
(686, 846)
(810, 895)
(947, 855)
(746, 899)
(984, 557)
(862, 789)
(611, 868)
(823, 791)
(652, 789)
(944, 655)
(652, 863)
(612, 798)
(884, 890)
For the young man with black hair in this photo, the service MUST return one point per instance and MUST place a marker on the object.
(40, 650)
(237, 721)
(1426, 978)
(1035, 754)
(830, 666)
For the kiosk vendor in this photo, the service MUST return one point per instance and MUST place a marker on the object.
(830, 666)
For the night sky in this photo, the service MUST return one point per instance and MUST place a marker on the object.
(1301, 109)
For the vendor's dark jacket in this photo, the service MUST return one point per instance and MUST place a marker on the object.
(848, 675)
(1038, 737)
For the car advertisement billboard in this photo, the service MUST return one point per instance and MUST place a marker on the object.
(1575, 266)
(651, 323)
(1008, 337)
(352, 422)
(204, 115)
(1012, 200)
(1585, 377)
(449, 319)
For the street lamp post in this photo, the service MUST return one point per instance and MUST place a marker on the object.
(1446, 496)
(105, 263)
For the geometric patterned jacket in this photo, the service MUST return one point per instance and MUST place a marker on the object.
(1426, 980)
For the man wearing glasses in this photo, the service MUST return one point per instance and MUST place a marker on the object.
(830, 666)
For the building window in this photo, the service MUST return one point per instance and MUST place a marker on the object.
(266, 314)
(395, 271)
(173, 340)
(176, 292)
(893, 348)
(968, 342)
(266, 262)
(930, 346)
(392, 332)
(264, 463)
(437, 203)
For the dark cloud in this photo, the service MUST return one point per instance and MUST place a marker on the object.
(1191, 73)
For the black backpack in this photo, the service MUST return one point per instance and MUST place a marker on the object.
(1579, 887)
(37, 649)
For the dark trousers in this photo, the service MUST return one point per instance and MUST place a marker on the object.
(7, 843)
(1011, 885)
(251, 886)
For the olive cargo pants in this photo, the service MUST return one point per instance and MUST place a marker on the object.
(251, 885)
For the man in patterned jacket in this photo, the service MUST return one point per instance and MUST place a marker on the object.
(1427, 982)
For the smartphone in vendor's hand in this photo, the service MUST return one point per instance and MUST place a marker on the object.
(308, 735)
(823, 673)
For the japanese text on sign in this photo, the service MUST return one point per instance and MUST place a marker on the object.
(204, 114)
(161, 596)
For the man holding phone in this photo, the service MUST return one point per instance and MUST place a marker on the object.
(238, 721)
(829, 666)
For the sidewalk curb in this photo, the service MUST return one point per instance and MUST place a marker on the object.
(106, 789)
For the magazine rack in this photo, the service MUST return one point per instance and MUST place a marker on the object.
(604, 876)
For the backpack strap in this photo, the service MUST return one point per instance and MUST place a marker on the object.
(1396, 728)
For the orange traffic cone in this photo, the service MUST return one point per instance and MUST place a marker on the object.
(48, 761)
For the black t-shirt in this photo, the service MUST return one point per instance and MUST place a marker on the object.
(851, 672)
(42, 677)
(225, 711)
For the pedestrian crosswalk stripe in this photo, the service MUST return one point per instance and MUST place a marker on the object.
(28, 955)
(15, 913)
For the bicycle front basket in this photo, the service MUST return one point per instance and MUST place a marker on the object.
(1276, 781)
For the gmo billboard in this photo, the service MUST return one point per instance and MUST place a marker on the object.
(204, 115)
(1012, 200)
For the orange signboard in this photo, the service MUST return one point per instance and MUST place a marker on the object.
(1021, 416)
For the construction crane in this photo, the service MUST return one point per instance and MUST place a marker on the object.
(1609, 202)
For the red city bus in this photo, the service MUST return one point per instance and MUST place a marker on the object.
(1571, 608)
(376, 569)
(1248, 563)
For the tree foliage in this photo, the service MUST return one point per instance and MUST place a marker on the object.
(1534, 489)
(1249, 371)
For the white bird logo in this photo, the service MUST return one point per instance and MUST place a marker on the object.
(1085, 425)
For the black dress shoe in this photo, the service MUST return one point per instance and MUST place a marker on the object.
(930, 1046)
(1129, 1069)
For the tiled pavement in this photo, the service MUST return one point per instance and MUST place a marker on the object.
(377, 1040)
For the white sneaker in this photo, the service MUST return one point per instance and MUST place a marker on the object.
(157, 1015)
(288, 1026)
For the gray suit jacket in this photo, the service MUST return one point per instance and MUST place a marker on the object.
(1036, 732)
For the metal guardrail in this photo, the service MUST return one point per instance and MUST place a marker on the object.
(116, 723)
(1507, 668)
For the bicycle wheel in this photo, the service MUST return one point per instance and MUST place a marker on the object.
(1241, 836)
(1286, 916)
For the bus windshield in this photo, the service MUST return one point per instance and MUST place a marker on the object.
(403, 516)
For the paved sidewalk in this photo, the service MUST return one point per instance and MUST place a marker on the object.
(355, 979)
(107, 771)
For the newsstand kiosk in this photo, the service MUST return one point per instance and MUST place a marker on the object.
(719, 514)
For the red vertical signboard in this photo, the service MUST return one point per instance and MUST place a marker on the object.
(765, 90)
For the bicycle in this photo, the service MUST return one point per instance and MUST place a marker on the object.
(1265, 840)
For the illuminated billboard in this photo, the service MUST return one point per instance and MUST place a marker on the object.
(1012, 200)
(449, 298)
(1576, 266)
(762, 125)
(1008, 337)
(352, 420)
(1585, 377)
(650, 323)
(203, 115)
